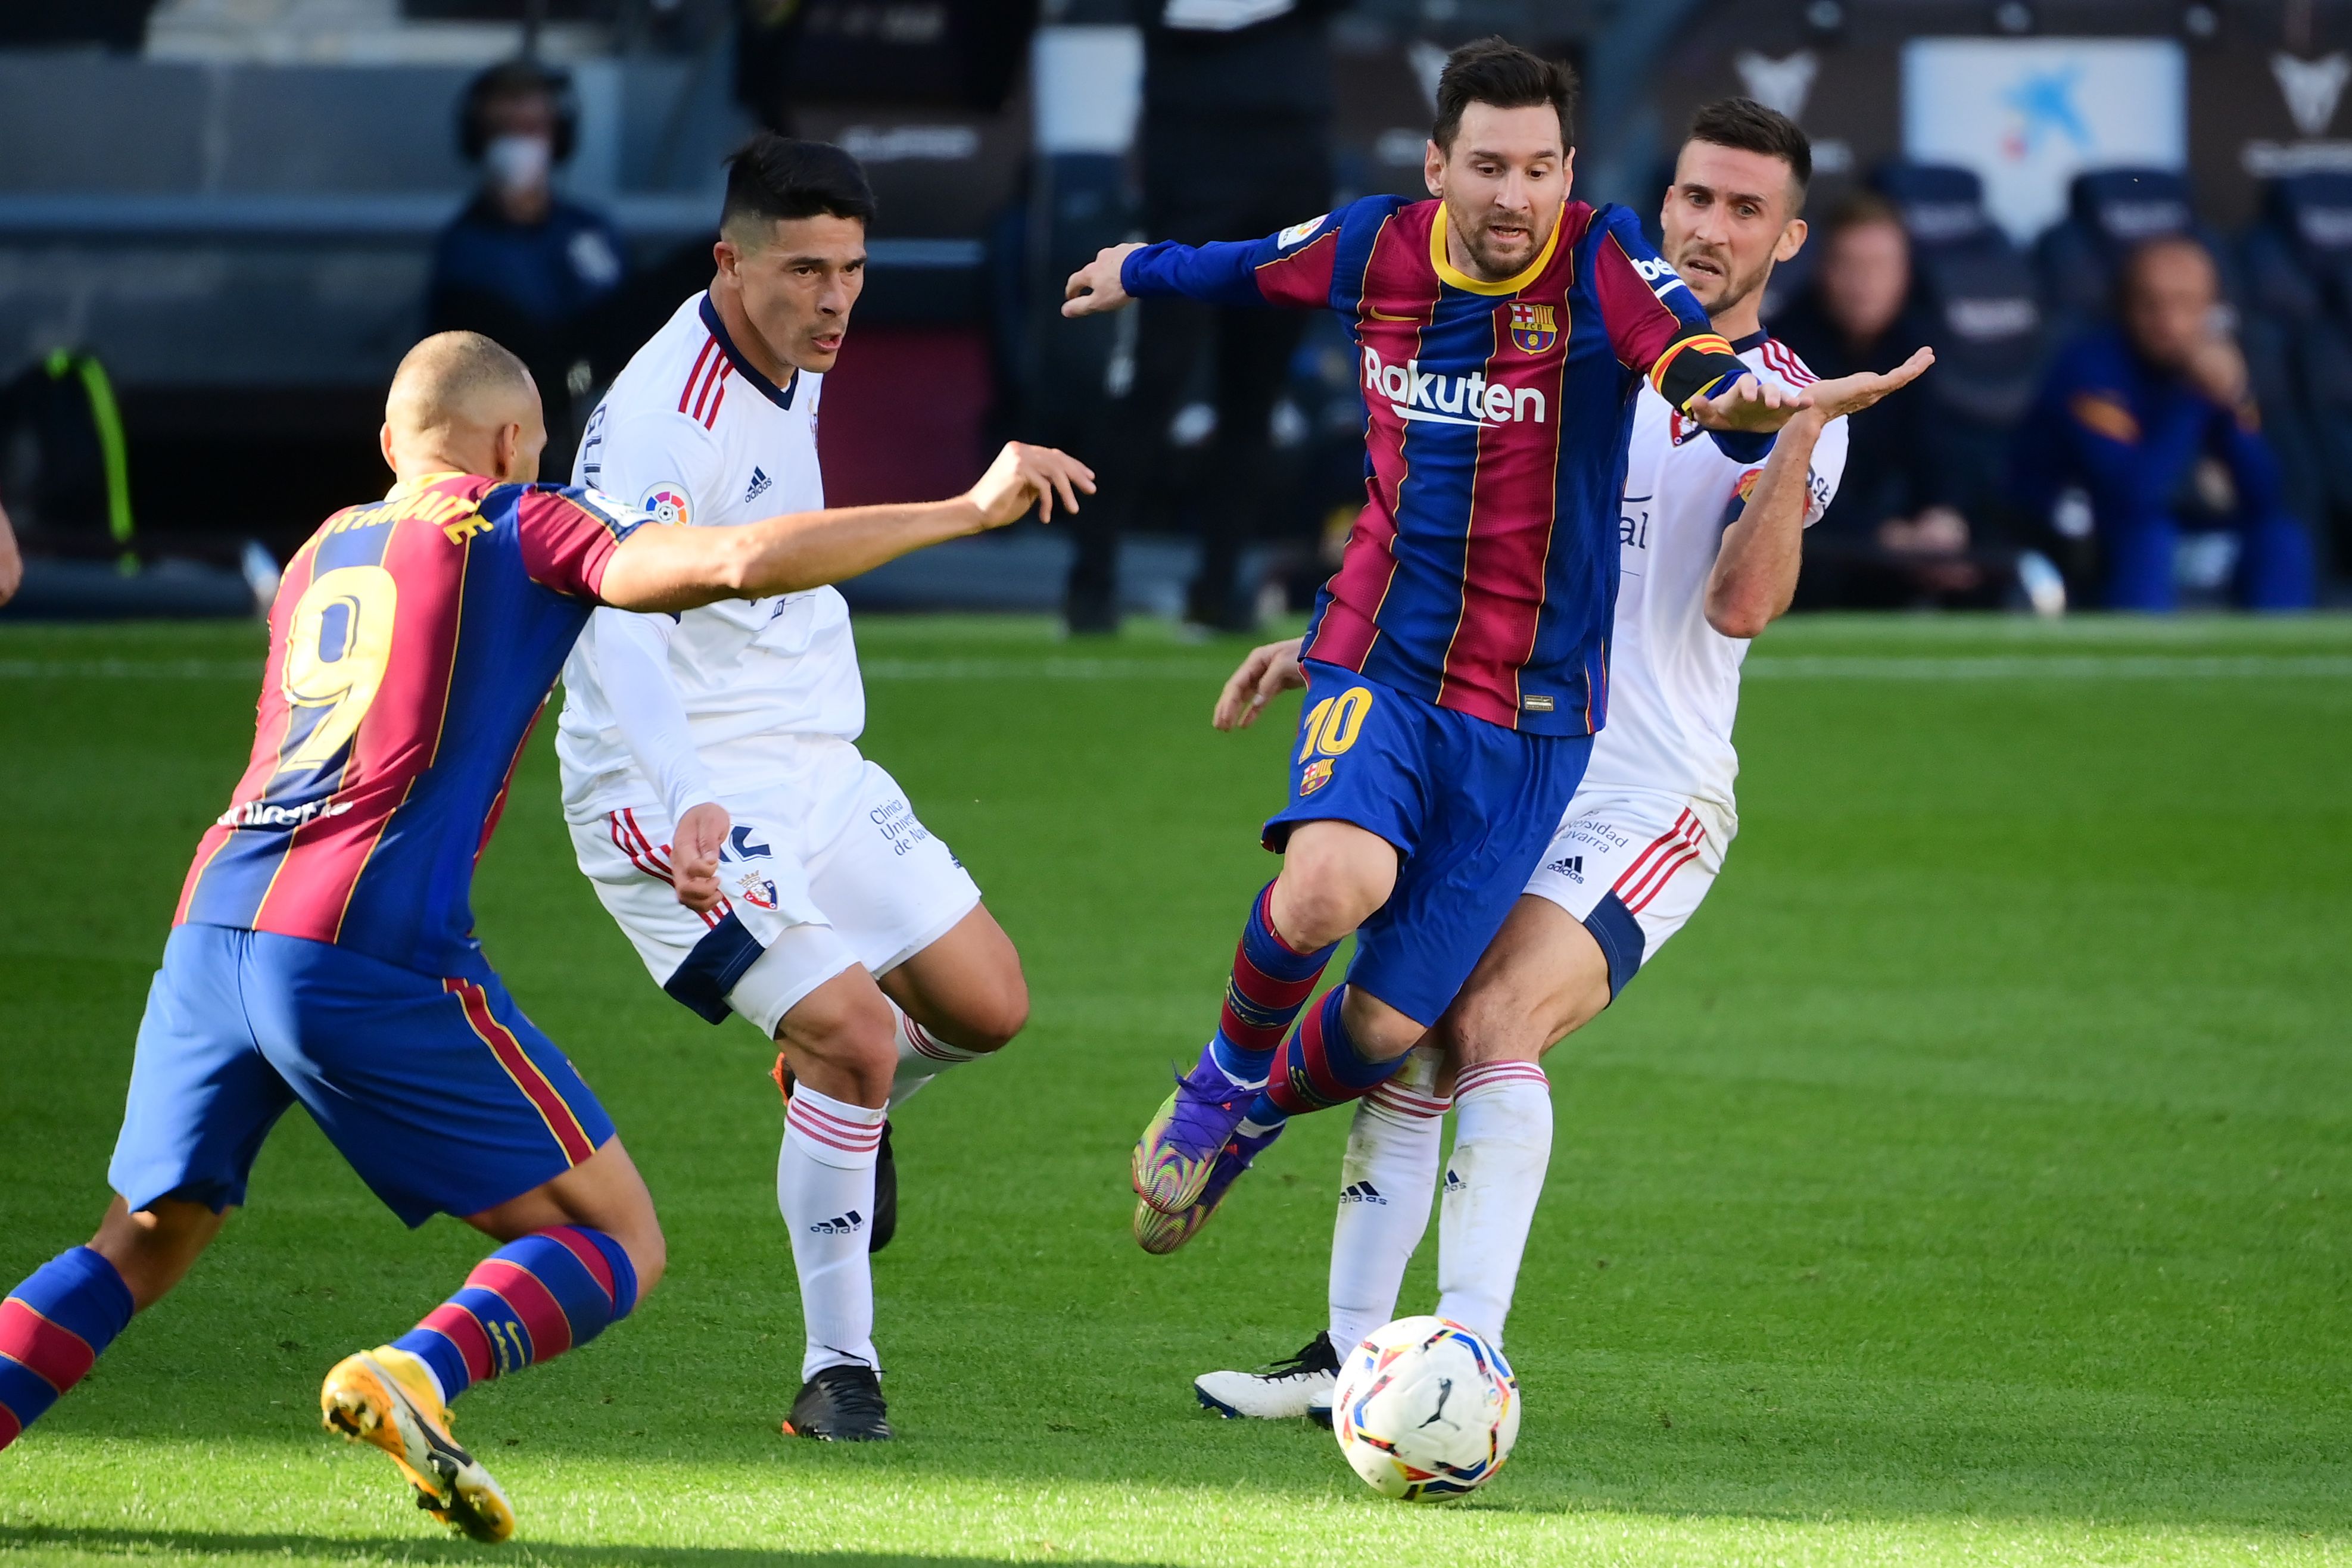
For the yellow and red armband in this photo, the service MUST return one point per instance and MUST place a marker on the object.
(1695, 366)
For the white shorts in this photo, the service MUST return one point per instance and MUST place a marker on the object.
(1633, 867)
(827, 868)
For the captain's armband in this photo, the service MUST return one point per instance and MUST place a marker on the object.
(1697, 365)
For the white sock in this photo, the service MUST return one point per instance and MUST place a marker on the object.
(1502, 1143)
(824, 1185)
(1385, 1185)
(922, 1056)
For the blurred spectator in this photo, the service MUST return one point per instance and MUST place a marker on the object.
(1237, 143)
(1893, 535)
(2152, 420)
(521, 263)
(65, 464)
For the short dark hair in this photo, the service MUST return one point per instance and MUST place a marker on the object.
(1860, 210)
(1750, 127)
(771, 177)
(502, 83)
(1501, 75)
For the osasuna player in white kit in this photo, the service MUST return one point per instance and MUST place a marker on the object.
(718, 801)
(1709, 550)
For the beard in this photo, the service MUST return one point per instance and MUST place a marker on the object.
(1489, 255)
(1722, 292)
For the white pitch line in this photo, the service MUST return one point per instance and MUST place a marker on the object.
(130, 669)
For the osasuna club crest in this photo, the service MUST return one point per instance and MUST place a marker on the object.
(1532, 328)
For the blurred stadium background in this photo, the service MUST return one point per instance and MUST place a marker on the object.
(220, 219)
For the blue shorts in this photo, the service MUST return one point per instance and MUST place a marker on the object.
(439, 1092)
(1470, 806)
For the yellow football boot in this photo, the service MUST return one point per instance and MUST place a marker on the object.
(387, 1398)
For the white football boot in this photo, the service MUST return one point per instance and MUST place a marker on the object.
(1283, 1392)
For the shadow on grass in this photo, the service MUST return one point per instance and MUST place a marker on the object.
(169, 1544)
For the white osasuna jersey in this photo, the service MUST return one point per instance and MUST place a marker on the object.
(693, 434)
(1673, 679)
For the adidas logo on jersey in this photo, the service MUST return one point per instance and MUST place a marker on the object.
(1415, 394)
(1453, 1183)
(1570, 866)
(759, 483)
(1362, 1192)
(848, 1224)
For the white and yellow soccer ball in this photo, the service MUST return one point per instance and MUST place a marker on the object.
(1425, 1410)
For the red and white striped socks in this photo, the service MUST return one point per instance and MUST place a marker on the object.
(922, 1056)
(1385, 1183)
(824, 1185)
(1502, 1146)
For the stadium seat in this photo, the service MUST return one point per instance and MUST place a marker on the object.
(2109, 210)
(1984, 316)
(1976, 292)
(2297, 331)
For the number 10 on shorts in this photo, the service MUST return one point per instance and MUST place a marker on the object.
(1331, 727)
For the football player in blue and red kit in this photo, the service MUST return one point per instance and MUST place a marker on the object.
(324, 949)
(1458, 661)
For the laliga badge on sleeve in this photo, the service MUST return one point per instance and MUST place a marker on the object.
(667, 503)
(1296, 231)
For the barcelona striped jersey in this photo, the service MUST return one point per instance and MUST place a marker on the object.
(412, 643)
(1482, 572)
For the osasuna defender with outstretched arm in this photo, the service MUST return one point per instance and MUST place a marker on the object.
(1709, 554)
(1456, 661)
(324, 949)
(830, 919)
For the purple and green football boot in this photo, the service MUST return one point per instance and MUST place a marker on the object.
(1161, 1234)
(1178, 1151)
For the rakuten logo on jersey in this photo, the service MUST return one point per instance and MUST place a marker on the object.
(1415, 394)
(260, 814)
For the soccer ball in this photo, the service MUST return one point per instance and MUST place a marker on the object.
(1425, 1410)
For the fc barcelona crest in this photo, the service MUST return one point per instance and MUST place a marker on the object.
(1532, 328)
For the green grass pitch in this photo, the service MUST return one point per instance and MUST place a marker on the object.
(1968, 1185)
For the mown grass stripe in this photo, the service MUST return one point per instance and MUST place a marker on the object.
(1766, 666)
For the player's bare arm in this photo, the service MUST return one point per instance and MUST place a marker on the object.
(1755, 576)
(678, 569)
(1093, 290)
(1269, 671)
(12, 565)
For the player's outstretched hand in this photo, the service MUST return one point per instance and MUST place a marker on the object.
(1748, 404)
(694, 855)
(1852, 394)
(1023, 476)
(1093, 290)
(1266, 674)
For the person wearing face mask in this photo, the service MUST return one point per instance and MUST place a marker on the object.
(2154, 419)
(521, 263)
(1894, 535)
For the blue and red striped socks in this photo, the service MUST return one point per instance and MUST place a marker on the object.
(1270, 981)
(53, 1329)
(551, 1292)
(1317, 1068)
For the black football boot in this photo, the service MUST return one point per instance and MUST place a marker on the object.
(840, 1404)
